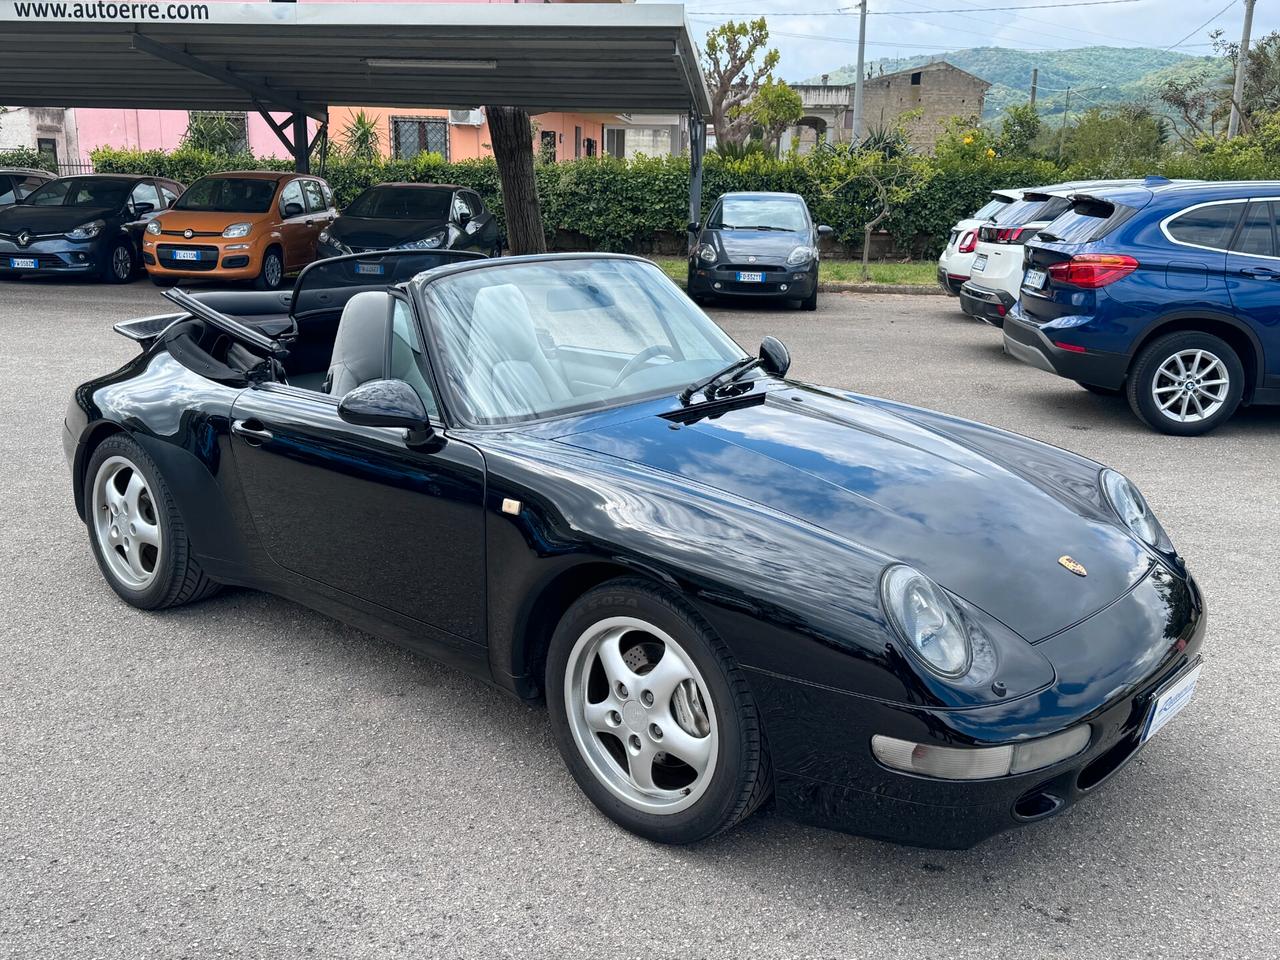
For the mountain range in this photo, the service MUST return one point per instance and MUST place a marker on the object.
(1097, 76)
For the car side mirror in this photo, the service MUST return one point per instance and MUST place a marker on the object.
(775, 359)
(293, 209)
(142, 207)
(694, 226)
(387, 403)
(464, 217)
(825, 231)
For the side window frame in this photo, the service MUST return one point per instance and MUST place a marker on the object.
(134, 198)
(426, 368)
(306, 195)
(1241, 202)
(1269, 204)
(284, 190)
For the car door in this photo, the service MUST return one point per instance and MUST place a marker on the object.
(476, 223)
(299, 244)
(398, 531)
(1253, 275)
(146, 194)
(318, 214)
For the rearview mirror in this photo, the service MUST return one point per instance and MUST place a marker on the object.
(825, 231)
(775, 359)
(694, 226)
(387, 403)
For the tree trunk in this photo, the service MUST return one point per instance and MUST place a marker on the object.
(512, 137)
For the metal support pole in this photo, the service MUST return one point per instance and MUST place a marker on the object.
(697, 150)
(301, 144)
(1237, 91)
(1035, 82)
(860, 80)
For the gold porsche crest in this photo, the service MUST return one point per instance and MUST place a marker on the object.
(1075, 566)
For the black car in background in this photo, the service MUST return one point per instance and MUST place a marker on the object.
(413, 216)
(90, 225)
(757, 245)
(17, 182)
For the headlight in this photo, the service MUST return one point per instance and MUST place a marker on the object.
(237, 230)
(153, 228)
(426, 243)
(802, 255)
(927, 620)
(87, 231)
(707, 253)
(1132, 509)
(324, 235)
(979, 763)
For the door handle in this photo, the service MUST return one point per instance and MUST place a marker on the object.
(1262, 273)
(254, 433)
(310, 223)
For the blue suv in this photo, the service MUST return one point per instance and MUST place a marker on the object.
(1166, 292)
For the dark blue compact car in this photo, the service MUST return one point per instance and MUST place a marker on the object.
(1166, 292)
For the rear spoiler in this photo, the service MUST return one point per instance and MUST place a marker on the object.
(146, 330)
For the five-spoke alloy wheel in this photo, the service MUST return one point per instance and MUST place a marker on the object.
(652, 716)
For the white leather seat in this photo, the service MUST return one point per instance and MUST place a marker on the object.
(360, 348)
(508, 367)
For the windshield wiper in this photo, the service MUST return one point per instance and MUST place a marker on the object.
(706, 385)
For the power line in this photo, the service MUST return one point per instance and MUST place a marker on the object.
(1202, 26)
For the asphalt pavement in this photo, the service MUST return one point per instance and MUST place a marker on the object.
(246, 778)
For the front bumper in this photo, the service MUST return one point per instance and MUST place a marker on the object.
(983, 303)
(222, 258)
(780, 281)
(1104, 680)
(55, 255)
(1025, 341)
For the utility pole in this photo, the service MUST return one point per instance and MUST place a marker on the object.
(857, 86)
(1062, 133)
(1237, 92)
(1035, 77)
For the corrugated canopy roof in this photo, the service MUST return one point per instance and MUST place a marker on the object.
(303, 57)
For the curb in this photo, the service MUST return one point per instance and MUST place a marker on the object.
(845, 286)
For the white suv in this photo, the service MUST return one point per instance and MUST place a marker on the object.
(957, 259)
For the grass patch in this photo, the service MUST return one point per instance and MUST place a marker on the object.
(924, 272)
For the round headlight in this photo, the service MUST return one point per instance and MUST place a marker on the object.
(1131, 508)
(153, 228)
(237, 230)
(707, 253)
(927, 620)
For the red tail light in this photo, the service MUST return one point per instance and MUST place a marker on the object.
(969, 242)
(1093, 270)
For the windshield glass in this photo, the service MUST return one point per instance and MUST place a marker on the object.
(228, 195)
(760, 213)
(532, 340)
(82, 192)
(402, 203)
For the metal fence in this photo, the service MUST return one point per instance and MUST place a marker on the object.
(70, 169)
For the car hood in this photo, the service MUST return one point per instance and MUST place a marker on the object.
(376, 232)
(737, 246)
(50, 219)
(989, 528)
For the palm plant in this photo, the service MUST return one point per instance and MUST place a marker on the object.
(361, 139)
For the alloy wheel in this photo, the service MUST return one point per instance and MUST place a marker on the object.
(121, 262)
(271, 271)
(126, 524)
(640, 715)
(1191, 386)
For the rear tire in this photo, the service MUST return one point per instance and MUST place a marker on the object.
(626, 744)
(272, 273)
(1197, 377)
(136, 532)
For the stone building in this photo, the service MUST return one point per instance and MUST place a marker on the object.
(938, 90)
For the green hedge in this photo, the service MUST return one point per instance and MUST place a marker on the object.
(610, 204)
(28, 158)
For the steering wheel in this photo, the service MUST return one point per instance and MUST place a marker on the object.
(639, 360)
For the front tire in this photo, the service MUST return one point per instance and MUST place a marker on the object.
(136, 531)
(811, 301)
(1186, 383)
(121, 263)
(272, 273)
(652, 716)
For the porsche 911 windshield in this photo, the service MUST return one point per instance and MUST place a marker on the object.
(542, 338)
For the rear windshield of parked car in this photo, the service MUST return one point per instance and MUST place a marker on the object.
(760, 213)
(82, 192)
(1030, 210)
(991, 207)
(228, 195)
(402, 203)
(1086, 221)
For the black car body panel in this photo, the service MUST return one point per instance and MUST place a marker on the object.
(773, 513)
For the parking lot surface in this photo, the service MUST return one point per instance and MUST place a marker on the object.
(247, 778)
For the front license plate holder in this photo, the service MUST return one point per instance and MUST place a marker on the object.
(750, 277)
(1168, 703)
(24, 263)
(186, 255)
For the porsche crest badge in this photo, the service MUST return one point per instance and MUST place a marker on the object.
(1075, 566)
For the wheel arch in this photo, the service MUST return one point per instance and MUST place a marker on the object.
(1230, 329)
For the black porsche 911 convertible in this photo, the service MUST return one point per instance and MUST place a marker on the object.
(558, 474)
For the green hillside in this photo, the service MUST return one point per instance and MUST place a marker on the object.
(1129, 74)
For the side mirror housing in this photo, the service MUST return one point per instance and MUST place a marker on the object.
(387, 403)
(824, 230)
(142, 207)
(293, 209)
(775, 358)
(464, 217)
(694, 226)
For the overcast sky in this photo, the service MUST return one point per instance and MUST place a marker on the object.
(811, 44)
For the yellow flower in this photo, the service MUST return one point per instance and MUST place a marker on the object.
(990, 153)
(968, 140)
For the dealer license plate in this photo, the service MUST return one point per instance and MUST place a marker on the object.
(23, 263)
(980, 263)
(371, 269)
(751, 278)
(1170, 702)
(186, 254)
(1034, 279)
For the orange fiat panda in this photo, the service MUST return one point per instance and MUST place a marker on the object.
(246, 225)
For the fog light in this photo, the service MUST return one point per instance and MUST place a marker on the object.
(238, 246)
(979, 763)
(782, 286)
(716, 285)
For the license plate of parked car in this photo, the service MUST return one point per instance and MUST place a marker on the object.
(370, 269)
(1170, 702)
(1034, 279)
(751, 278)
(980, 262)
(186, 254)
(22, 263)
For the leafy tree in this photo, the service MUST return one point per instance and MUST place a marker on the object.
(1108, 141)
(774, 108)
(220, 133)
(360, 138)
(737, 64)
(1018, 131)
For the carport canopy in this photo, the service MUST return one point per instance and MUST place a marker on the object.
(302, 58)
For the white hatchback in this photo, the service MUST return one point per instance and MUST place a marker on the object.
(956, 262)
